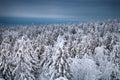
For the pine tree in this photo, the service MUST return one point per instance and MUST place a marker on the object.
(22, 58)
(60, 64)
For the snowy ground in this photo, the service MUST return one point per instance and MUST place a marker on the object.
(85, 51)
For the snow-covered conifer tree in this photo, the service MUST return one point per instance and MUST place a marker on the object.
(60, 64)
(22, 58)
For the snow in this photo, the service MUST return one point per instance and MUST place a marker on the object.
(85, 51)
(61, 78)
(100, 58)
(84, 69)
(2, 79)
(58, 45)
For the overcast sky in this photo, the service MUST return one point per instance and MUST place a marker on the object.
(60, 8)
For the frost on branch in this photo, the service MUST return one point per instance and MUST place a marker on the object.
(84, 51)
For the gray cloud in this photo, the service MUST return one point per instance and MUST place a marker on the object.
(60, 8)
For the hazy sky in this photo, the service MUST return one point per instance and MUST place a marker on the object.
(60, 8)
